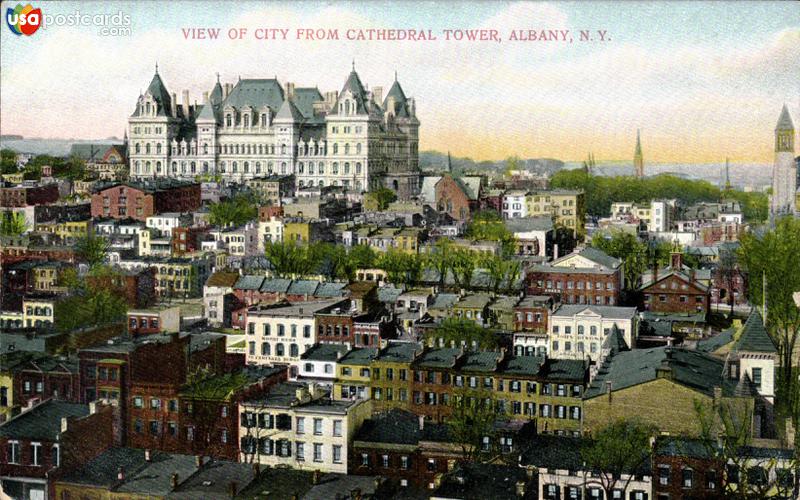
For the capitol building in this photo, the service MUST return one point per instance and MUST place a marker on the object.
(355, 138)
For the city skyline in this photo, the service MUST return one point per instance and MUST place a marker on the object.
(704, 84)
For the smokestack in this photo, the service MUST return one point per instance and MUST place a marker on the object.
(174, 104)
(185, 103)
(198, 461)
(232, 487)
(228, 87)
(146, 455)
(173, 480)
(64, 424)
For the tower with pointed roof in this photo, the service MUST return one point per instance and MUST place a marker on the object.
(784, 169)
(151, 128)
(638, 160)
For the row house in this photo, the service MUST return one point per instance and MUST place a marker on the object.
(42, 378)
(545, 390)
(137, 285)
(158, 319)
(320, 363)
(218, 298)
(354, 375)
(27, 194)
(66, 232)
(175, 276)
(165, 223)
(587, 276)
(240, 241)
(34, 276)
(533, 236)
(281, 332)
(299, 426)
(272, 189)
(140, 200)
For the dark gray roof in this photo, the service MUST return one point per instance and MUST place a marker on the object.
(43, 421)
(353, 84)
(785, 120)
(524, 365)
(692, 369)
(615, 342)
(331, 486)
(360, 356)
(485, 361)
(399, 352)
(600, 257)
(332, 290)
(289, 111)
(754, 337)
(213, 481)
(389, 294)
(249, 282)
(553, 452)
(159, 92)
(400, 427)
(303, 287)
(572, 370)
(275, 285)
(324, 352)
(255, 93)
(525, 224)
(89, 152)
(304, 99)
(438, 358)
(711, 344)
(482, 481)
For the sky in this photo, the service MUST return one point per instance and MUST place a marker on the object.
(703, 81)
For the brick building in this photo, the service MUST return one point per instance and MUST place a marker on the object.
(458, 197)
(27, 194)
(531, 313)
(46, 377)
(138, 286)
(159, 319)
(587, 276)
(675, 289)
(685, 468)
(140, 200)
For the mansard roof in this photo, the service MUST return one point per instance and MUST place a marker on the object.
(353, 84)
(304, 99)
(256, 93)
(216, 94)
(754, 337)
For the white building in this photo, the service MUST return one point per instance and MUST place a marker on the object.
(239, 241)
(270, 231)
(299, 426)
(280, 333)
(514, 204)
(578, 331)
(354, 138)
(784, 170)
(319, 364)
(166, 222)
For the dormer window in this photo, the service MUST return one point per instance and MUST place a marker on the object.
(263, 119)
(246, 120)
(228, 120)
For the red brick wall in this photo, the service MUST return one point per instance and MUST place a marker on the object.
(451, 199)
(537, 282)
(327, 327)
(521, 323)
(178, 199)
(675, 298)
(65, 384)
(700, 470)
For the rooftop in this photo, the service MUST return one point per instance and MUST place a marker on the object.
(43, 421)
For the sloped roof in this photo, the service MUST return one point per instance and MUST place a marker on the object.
(159, 92)
(400, 427)
(600, 257)
(615, 341)
(692, 369)
(438, 358)
(470, 185)
(256, 93)
(303, 287)
(289, 111)
(276, 285)
(785, 120)
(526, 224)
(353, 84)
(329, 289)
(428, 189)
(42, 421)
(249, 282)
(223, 279)
(754, 337)
(304, 99)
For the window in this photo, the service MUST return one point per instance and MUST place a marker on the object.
(300, 452)
(337, 428)
(757, 377)
(365, 460)
(317, 426)
(155, 404)
(385, 461)
(36, 454)
(404, 462)
(13, 452)
(317, 452)
(138, 402)
(337, 453)
(56, 455)
(301, 425)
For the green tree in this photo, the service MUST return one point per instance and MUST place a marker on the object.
(621, 447)
(92, 249)
(473, 417)
(12, 224)
(770, 260)
(362, 257)
(382, 197)
(8, 161)
(463, 265)
(233, 212)
(455, 331)
(487, 225)
(501, 271)
(440, 258)
(401, 267)
(290, 259)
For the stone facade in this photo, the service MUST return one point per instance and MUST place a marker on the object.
(353, 138)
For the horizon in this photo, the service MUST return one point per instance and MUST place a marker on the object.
(703, 84)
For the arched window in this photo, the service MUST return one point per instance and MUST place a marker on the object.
(158, 148)
(247, 167)
(294, 350)
(222, 167)
(265, 349)
(183, 167)
(158, 167)
(311, 168)
(279, 350)
(283, 149)
(300, 183)
(346, 168)
(321, 168)
(147, 167)
(138, 148)
(335, 168)
(205, 167)
(174, 167)
(138, 167)
(300, 168)
(283, 168)
(247, 120)
(205, 149)
(358, 148)
(335, 149)
(235, 168)
(258, 167)
(347, 149)
(269, 167)
(321, 183)
(228, 120)
(358, 168)
(147, 148)
(192, 167)
(260, 149)
(359, 185)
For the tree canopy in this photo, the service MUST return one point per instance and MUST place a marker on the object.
(12, 224)
(454, 331)
(233, 212)
(621, 447)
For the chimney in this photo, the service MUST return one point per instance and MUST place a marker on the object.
(121, 474)
(421, 422)
(315, 477)
(173, 480)
(64, 424)
(339, 355)
(228, 88)
(146, 455)
(92, 407)
(174, 104)
(205, 97)
(355, 494)
(289, 90)
(232, 488)
(390, 105)
(677, 260)
(555, 251)
(198, 461)
(655, 271)
(377, 95)
(185, 103)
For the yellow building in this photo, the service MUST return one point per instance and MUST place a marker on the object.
(408, 239)
(38, 312)
(67, 232)
(353, 379)
(567, 207)
(390, 378)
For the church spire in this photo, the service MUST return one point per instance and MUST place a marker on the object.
(638, 160)
(449, 164)
(727, 175)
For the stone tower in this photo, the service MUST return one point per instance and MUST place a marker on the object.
(784, 170)
(638, 160)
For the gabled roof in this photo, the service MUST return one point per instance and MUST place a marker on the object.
(223, 279)
(289, 111)
(248, 282)
(615, 342)
(754, 337)
(304, 99)
(256, 93)
(681, 275)
(275, 285)
(527, 224)
(353, 84)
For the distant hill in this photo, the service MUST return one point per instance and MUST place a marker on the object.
(435, 162)
(10, 137)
